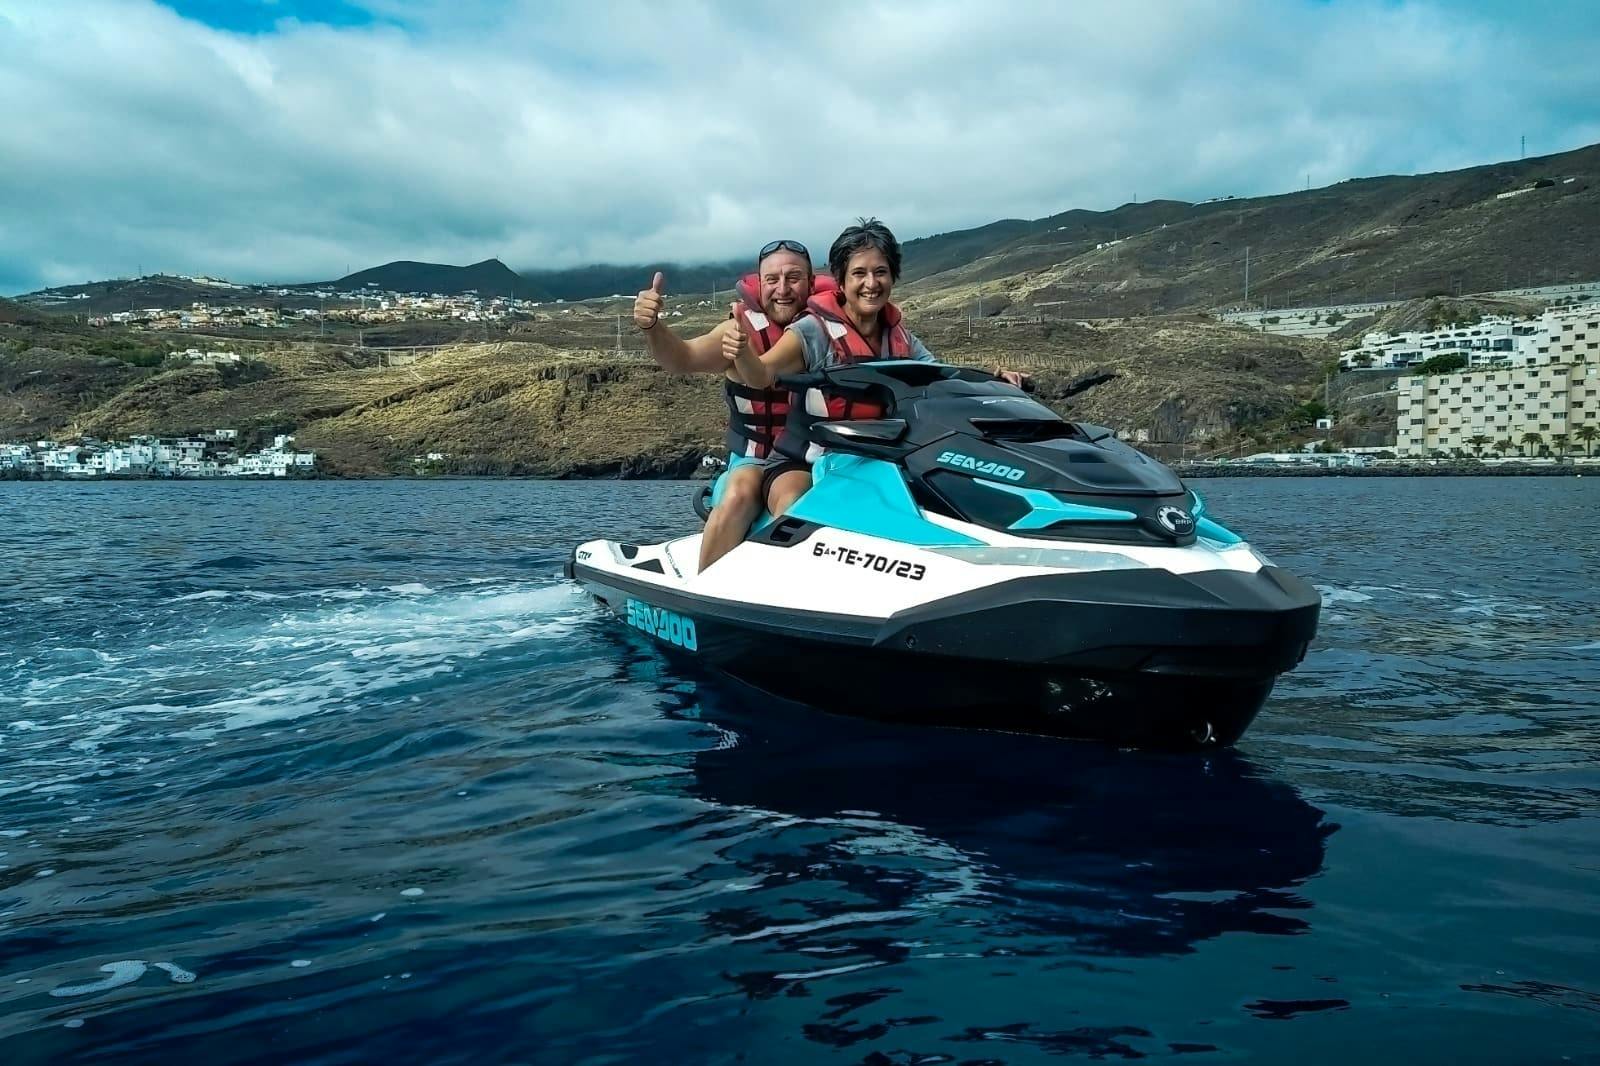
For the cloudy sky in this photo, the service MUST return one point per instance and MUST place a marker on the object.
(290, 139)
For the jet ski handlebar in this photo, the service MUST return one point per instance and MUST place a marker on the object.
(801, 382)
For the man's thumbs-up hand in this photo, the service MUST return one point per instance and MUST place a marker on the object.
(647, 305)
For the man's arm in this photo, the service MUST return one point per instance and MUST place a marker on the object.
(702, 355)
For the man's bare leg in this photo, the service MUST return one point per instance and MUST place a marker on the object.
(786, 488)
(733, 515)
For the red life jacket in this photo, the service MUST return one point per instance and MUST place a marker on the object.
(756, 417)
(849, 346)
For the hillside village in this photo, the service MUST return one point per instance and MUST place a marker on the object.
(208, 455)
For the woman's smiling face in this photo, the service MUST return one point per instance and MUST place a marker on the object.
(867, 282)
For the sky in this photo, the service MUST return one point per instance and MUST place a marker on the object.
(293, 140)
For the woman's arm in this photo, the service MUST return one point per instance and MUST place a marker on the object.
(788, 356)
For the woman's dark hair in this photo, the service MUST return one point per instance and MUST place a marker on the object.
(866, 233)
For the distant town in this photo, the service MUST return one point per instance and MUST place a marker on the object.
(207, 455)
(295, 308)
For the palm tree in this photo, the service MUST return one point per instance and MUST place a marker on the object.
(1505, 444)
(1559, 442)
(1587, 434)
(1533, 439)
(1478, 443)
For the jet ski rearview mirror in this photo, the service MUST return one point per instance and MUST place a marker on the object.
(867, 431)
(877, 438)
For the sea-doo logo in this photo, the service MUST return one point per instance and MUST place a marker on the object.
(663, 624)
(1176, 520)
(978, 466)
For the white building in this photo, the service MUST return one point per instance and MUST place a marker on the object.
(17, 457)
(1329, 459)
(1496, 340)
(128, 459)
(1476, 411)
(1569, 333)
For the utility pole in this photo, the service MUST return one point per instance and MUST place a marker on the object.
(1247, 275)
(619, 336)
(1524, 151)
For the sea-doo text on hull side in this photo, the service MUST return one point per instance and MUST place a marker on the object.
(973, 559)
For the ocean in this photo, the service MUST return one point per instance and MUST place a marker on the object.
(344, 772)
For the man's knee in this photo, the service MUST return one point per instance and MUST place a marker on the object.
(741, 493)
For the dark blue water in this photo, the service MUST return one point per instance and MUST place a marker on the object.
(345, 773)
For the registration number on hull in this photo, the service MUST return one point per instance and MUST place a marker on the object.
(870, 561)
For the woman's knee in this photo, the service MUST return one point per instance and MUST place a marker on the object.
(787, 488)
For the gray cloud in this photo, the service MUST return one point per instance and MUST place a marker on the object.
(553, 135)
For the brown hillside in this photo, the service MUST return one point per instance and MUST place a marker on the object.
(41, 389)
(498, 408)
(527, 408)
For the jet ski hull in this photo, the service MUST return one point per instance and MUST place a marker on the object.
(1140, 658)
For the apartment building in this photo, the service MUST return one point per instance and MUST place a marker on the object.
(1559, 333)
(1445, 412)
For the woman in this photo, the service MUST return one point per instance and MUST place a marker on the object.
(854, 323)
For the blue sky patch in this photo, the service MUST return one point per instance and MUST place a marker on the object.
(263, 16)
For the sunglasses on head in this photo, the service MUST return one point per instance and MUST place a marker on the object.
(782, 246)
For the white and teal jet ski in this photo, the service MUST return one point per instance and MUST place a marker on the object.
(971, 558)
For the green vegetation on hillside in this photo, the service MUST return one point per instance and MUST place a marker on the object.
(136, 351)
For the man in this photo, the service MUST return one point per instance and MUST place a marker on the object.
(771, 298)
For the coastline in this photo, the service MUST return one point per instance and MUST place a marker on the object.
(1183, 470)
(1450, 469)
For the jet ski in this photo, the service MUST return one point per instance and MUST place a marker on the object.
(971, 558)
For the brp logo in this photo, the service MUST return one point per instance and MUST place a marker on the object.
(1176, 520)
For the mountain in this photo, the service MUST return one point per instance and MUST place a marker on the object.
(493, 278)
(1068, 231)
(1504, 225)
(1514, 224)
(128, 294)
(488, 278)
(1392, 237)
(582, 283)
